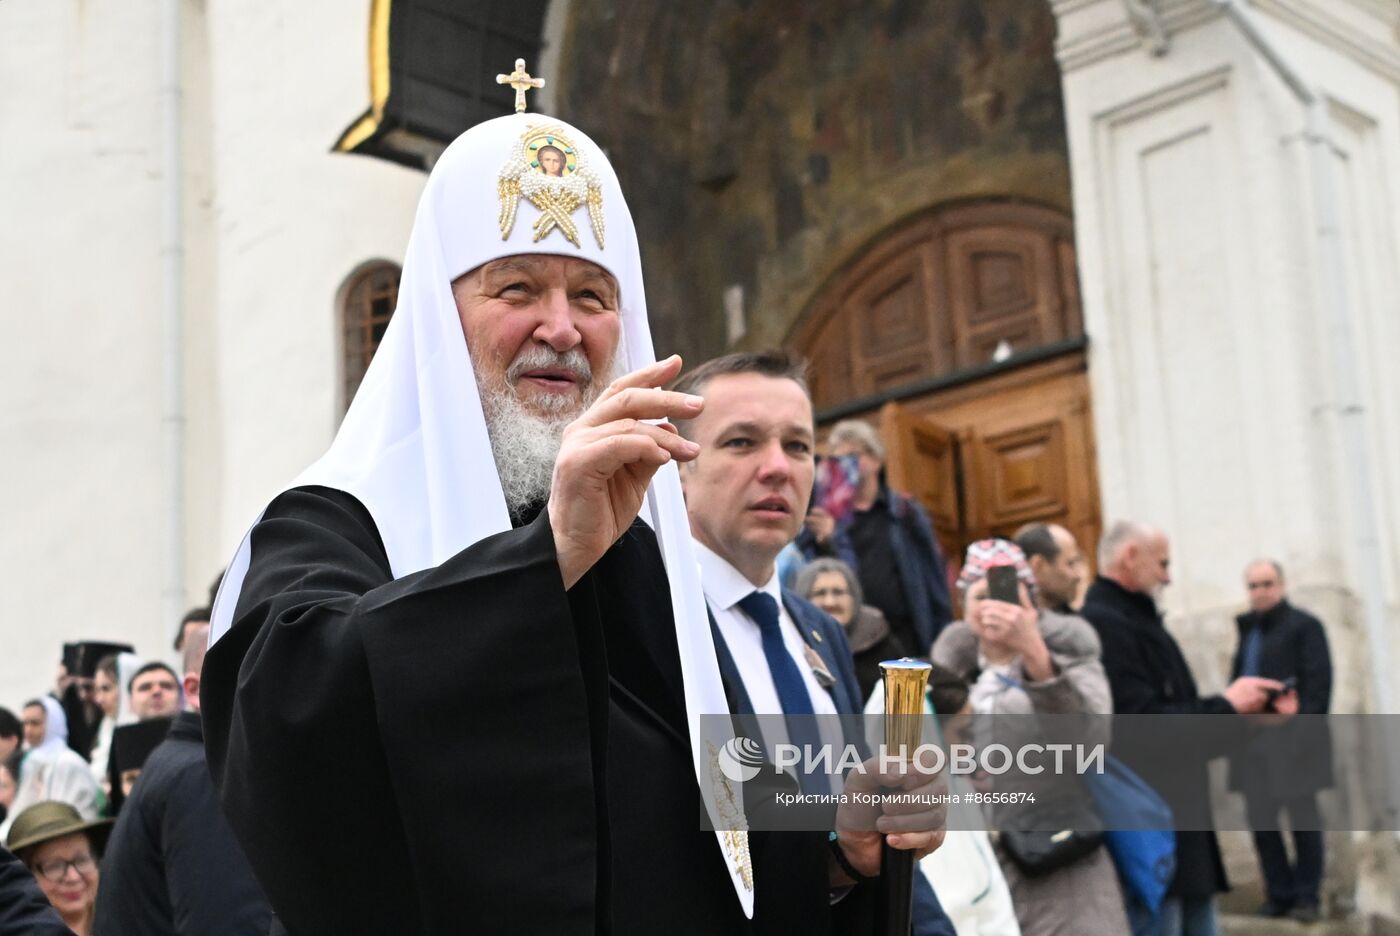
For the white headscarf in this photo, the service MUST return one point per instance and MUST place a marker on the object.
(413, 448)
(50, 771)
(127, 665)
(55, 727)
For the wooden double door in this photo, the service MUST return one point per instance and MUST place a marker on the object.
(969, 316)
(990, 456)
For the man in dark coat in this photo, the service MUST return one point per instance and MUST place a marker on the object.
(470, 640)
(888, 539)
(1148, 675)
(1286, 766)
(1056, 563)
(172, 866)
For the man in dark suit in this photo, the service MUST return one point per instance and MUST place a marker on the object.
(1287, 764)
(1149, 676)
(746, 493)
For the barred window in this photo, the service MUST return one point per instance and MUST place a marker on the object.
(367, 304)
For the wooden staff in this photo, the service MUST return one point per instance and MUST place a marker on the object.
(906, 681)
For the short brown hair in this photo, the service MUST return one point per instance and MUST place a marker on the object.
(779, 363)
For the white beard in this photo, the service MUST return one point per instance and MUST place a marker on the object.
(524, 442)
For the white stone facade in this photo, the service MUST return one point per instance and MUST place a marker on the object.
(274, 224)
(1219, 412)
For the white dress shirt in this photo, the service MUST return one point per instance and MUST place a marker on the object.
(724, 586)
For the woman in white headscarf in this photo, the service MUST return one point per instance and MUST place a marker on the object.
(51, 770)
(114, 673)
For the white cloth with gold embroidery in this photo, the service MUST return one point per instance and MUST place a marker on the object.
(413, 447)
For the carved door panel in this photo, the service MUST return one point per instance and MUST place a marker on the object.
(987, 459)
(891, 339)
(1003, 286)
(1030, 449)
(1024, 472)
(922, 458)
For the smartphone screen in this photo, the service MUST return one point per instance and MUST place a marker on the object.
(837, 479)
(1003, 585)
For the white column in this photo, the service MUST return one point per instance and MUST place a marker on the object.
(1219, 411)
(1213, 387)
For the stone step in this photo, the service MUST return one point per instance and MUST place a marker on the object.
(1234, 924)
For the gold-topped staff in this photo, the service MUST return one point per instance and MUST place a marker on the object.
(521, 81)
(906, 681)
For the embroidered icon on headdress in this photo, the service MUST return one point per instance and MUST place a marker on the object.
(550, 172)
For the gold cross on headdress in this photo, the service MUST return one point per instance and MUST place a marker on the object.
(521, 81)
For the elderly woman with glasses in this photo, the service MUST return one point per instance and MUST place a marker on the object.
(62, 851)
(832, 585)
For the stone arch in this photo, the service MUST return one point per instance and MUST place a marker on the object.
(949, 290)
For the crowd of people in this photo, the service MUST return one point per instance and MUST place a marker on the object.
(105, 797)
(500, 700)
(68, 771)
(1079, 646)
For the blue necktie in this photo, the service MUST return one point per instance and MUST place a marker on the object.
(787, 678)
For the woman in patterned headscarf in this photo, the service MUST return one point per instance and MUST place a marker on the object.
(1022, 660)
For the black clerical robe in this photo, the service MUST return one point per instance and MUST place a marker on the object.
(470, 748)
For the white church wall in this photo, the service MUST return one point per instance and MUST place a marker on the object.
(1174, 202)
(80, 179)
(293, 220)
(274, 222)
(1350, 51)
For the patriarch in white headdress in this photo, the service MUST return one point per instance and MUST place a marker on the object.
(443, 449)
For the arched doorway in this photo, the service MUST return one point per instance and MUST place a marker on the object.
(959, 335)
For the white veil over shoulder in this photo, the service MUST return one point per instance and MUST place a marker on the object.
(413, 447)
(51, 771)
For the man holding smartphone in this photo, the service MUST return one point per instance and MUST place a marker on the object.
(1283, 642)
(1149, 675)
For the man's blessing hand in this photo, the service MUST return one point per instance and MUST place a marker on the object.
(608, 457)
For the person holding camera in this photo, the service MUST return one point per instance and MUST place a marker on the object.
(1020, 660)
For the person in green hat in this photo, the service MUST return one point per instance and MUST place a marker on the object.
(62, 850)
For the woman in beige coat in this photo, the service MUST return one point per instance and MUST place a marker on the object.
(1021, 660)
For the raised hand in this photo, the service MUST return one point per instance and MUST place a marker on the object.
(821, 524)
(608, 457)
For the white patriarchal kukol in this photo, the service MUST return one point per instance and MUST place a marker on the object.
(413, 448)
